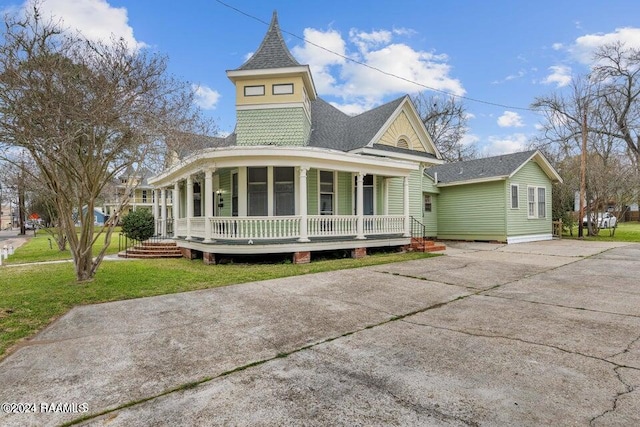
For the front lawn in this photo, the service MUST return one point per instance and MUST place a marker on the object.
(43, 247)
(625, 232)
(35, 295)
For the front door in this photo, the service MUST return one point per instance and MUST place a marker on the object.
(367, 195)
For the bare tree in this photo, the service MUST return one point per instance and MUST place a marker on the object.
(611, 177)
(446, 121)
(85, 112)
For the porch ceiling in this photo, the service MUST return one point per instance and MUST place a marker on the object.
(312, 157)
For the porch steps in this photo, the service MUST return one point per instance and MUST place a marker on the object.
(419, 244)
(166, 249)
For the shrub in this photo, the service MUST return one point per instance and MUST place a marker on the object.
(138, 225)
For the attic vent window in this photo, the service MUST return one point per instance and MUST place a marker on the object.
(254, 90)
(402, 143)
(283, 89)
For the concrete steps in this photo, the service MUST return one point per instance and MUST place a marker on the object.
(418, 244)
(166, 249)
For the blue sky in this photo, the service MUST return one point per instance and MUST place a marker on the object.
(500, 52)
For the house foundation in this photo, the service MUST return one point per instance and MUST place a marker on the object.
(302, 257)
(358, 253)
(208, 258)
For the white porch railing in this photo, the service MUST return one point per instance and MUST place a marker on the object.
(255, 227)
(332, 225)
(197, 227)
(288, 227)
(181, 227)
(383, 224)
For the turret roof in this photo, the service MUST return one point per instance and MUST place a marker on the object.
(273, 52)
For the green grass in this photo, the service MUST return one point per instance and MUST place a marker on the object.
(625, 232)
(43, 248)
(35, 295)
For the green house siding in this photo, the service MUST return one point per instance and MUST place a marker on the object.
(472, 212)
(379, 188)
(430, 219)
(312, 192)
(428, 185)
(225, 186)
(518, 222)
(395, 196)
(415, 195)
(278, 126)
(345, 194)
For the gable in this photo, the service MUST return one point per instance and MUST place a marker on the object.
(401, 130)
(404, 129)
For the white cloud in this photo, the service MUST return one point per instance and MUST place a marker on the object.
(557, 46)
(206, 98)
(510, 119)
(515, 76)
(321, 61)
(361, 86)
(505, 144)
(96, 19)
(584, 46)
(560, 75)
(469, 139)
(366, 41)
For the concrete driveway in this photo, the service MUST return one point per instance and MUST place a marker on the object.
(528, 334)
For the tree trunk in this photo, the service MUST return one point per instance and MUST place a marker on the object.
(84, 267)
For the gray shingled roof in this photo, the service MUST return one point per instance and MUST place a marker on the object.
(489, 167)
(384, 147)
(336, 130)
(273, 52)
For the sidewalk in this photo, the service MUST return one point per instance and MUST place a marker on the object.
(11, 238)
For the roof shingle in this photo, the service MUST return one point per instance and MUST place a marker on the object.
(489, 167)
(273, 52)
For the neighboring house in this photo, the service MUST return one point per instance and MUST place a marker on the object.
(298, 175)
(504, 198)
(99, 217)
(141, 194)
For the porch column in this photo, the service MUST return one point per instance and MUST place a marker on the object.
(405, 209)
(176, 207)
(208, 204)
(156, 211)
(189, 205)
(360, 206)
(304, 235)
(163, 212)
(385, 185)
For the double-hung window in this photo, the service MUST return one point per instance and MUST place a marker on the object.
(257, 193)
(326, 193)
(283, 191)
(515, 194)
(537, 202)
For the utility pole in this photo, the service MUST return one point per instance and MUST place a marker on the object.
(583, 174)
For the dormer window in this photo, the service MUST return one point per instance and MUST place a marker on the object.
(254, 90)
(283, 89)
(402, 143)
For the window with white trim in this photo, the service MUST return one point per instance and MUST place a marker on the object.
(257, 194)
(283, 191)
(427, 203)
(515, 196)
(542, 202)
(326, 192)
(537, 202)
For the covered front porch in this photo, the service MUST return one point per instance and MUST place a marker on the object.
(251, 200)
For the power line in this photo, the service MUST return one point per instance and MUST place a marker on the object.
(379, 70)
